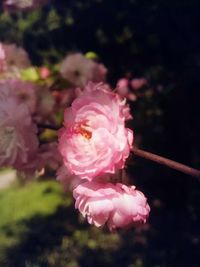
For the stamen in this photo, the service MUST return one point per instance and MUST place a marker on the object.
(82, 128)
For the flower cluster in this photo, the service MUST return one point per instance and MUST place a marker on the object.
(12, 59)
(18, 142)
(97, 140)
(21, 107)
(117, 205)
(95, 143)
(128, 88)
(78, 70)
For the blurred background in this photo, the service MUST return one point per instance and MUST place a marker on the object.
(159, 40)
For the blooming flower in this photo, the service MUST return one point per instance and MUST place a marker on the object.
(78, 70)
(117, 205)
(18, 140)
(94, 140)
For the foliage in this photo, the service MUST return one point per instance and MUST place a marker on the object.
(19, 204)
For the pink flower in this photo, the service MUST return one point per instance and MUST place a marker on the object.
(13, 5)
(16, 57)
(18, 142)
(117, 205)
(78, 70)
(137, 83)
(123, 87)
(24, 91)
(44, 73)
(94, 140)
(123, 90)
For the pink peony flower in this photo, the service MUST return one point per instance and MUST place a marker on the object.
(78, 70)
(117, 205)
(94, 140)
(18, 140)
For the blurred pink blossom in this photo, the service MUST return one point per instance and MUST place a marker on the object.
(15, 57)
(18, 140)
(44, 73)
(118, 206)
(94, 140)
(126, 111)
(25, 91)
(12, 5)
(123, 89)
(138, 83)
(78, 70)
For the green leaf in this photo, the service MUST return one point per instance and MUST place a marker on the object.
(30, 74)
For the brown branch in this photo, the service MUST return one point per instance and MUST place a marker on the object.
(167, 162)
(150, 156)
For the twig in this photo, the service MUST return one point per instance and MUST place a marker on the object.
(167, 162)
(150, 156)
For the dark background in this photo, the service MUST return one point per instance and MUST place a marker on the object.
(159, 40)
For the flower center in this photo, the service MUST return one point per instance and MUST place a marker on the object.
(83, 129)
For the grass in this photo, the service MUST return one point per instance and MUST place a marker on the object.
(39, 227)
(21, 204)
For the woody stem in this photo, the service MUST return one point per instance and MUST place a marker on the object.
(149, 156)
(167, 162)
